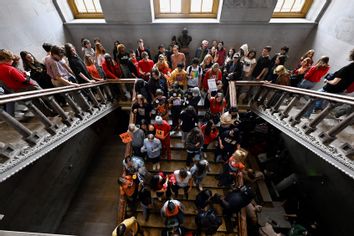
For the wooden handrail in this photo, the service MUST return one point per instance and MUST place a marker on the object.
(127, 152)
(52, 91)
(312, 93)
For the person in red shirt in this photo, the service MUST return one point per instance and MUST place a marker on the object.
(315, 73)
(91, 67)
(11, 78)
(221, 54)
(217, 106)
(111, 68)
(162, 129)
(145, 66)
(213, 73)
(210, 133)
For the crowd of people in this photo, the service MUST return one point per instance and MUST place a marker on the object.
(169, 88)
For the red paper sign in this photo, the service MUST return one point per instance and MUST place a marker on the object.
(126, 138)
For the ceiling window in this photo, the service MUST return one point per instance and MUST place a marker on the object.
(292, 8)
(86, 8)
(186, 8)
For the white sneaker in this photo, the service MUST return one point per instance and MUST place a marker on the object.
(154, 167)
(200, 187)
(158, 166)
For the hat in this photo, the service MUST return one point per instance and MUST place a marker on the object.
(158, 120)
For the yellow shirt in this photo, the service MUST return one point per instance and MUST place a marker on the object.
(179, 76)
(131, 225)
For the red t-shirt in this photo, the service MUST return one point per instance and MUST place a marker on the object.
(92, 70)
(111, 72)
(162, 130)
(12, 78)
(216, 107)
(211, 75)
(212, 136)
(145, 66)
(315, 74)
(221, 57)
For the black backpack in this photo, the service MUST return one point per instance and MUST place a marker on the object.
(207, 221)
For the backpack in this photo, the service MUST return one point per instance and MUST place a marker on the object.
(208, 221)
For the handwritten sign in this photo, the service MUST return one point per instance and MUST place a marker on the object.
(126, 138)
(212, 85)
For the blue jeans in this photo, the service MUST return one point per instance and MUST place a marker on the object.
(319, 104)
(306, 84)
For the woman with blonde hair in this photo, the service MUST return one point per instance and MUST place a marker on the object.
(315, 73)
(298, 74)
(309, 54)
(163, 66)
(283, 75)
(206, 63)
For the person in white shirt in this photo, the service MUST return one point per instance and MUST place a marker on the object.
(183, 180)
(194, 74)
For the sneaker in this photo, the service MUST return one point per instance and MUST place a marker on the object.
(154, 167)
(200, 188)
(158, 166)
(205, 155)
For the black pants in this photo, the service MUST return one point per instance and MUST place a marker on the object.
(175, 112)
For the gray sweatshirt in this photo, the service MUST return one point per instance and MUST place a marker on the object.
(138, 138)
(152, 148)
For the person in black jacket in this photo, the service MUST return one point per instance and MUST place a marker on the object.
(157, 81)
(38, 71)
(77, 65)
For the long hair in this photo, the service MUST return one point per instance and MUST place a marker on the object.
(67, 48)
(99, 49)
(26, 65)
(207, 56)
(322, 62)
(208, 127)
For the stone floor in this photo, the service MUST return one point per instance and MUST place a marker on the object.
(93, 211)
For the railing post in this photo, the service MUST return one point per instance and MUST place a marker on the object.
(100, 94)
(309, 128)
(291, 104)
(260, 102)
(93, 98)
(65, 118)
(30, 137)
(49, 125)
(83, 102)
(278, 104)
(328, 137)
(258, 93)
(77, 110)
(107, 91)
(297, 118)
